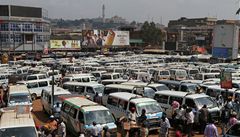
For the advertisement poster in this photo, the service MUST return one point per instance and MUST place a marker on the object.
(226, 80)
(105, 38)
(65, 44)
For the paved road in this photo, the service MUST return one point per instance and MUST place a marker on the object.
(41, 118)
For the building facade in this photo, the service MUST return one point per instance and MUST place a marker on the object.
(23, 29)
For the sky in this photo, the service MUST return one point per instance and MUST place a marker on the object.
(160, 11)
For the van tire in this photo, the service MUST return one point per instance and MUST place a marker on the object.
(34, 96)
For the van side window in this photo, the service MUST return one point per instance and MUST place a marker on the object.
(73, 112)
(178, 99)
(85, 80)
(42, 77)
(79, 89)
(66, 107)
(32, 85)
(80, 117)
(123, 104)
(184, 88)
(190, 103)
(90, 90)
(43, 84)
(108, 91)
(211, 93)
(161, 98)
(112, 101)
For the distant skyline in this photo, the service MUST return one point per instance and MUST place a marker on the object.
(135, 10)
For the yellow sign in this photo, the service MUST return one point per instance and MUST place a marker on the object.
(65, 44)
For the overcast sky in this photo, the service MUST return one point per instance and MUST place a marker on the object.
(138, 10)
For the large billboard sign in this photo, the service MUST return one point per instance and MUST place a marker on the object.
(226, 80)
(65, 44)
(105, 38)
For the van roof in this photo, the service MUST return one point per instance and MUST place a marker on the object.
(18, 89)
(120, 86)
(127, 96)
(180, 94)
(89, 84)
(78, 75)
(57, 90)
(79, 102)
(9, 120)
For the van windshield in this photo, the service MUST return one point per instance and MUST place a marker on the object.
(164, 73)
(18, 98)
(162, 87)
(205, 101)
(181, 73)
(18, 132)
(99, 116)
(150, 107)
(99, 89)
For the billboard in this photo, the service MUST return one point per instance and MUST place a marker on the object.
(105, 38)
(65, 44)
(222, 52)
(4, 10)
(226, 80)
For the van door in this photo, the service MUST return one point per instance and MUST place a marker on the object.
(112, 105)
(163, 101)
(73, 120)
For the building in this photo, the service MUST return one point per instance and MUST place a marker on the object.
(23, 29)
(188, 32)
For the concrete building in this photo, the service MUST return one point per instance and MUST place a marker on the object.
(23, 29)
(188, 32)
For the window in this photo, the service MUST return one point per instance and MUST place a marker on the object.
(4, 26)
(32, 85)
(38, 27)
(15, 27)
(112, 101)
(32, 78)
(123, 104)
(178, 99)
(85, 80)
(80, 117)
(190, 103)
(161, 98)
(43, 84)
(73, 112)
(66, 107)
(108, 91)
(90, 90)
(79, 89)
(27, 27)
(42, 77)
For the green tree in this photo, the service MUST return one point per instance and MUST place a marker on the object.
(150, 34)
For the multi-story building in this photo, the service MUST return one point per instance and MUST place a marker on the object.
(23, 28)
(188, 32)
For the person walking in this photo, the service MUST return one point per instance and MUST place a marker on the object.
(203, 118)
(233, 120)
(61, 129)
(225, 116)
(95, 132)
(143, 123)
(164, 126)
(190, 121)
(133, 116)
(211, 130)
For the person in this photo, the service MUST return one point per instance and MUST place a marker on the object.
(210, 129)
(61, 129)
(97, 98)
(57, 109)
(143, 122)
(203, 118)
(175, 106)
(178, 132)
(95, 132)
(105, 132)
(184, 119)
(219, 100)
(233, 120)
(164, 126)
(50, 127)
(178, 118)
(133, 116)
(225, 116)
(190, 121)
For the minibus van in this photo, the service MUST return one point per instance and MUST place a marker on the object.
(120, 103)
(195, 101)
(19, 95)
(82, 88)
(79, 114)
(178, 74)
(46, 98)
(79, 78)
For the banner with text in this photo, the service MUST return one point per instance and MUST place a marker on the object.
(65, 44)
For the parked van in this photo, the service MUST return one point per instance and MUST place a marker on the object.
(154, 86)
(119, 104)
(139, 90)
(19, 95)
(13, 124)
(36, 77)
(178, 74)
(79, 114)
(46, 98)
(195, 101)
(35, 86)
(79, 78)
(161, 75)
(110, 76)
(82, 88)
(205, 76)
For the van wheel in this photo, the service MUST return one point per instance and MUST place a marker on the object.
(34, 96)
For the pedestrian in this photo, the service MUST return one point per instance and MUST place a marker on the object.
(184, 119)
(190, 121)
(57, 109)
(178, 132)
(210, 129)
(203, 118)
(225, 116)
(105, 132)
(175, 106)
(178, 118)
(95, 132)
(164, 126)
(143, 123)
(61, 130)
(97, 98)
(233, 120)
(133, 116)
(219, 100)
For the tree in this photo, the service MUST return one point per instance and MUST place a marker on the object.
(150, 34)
